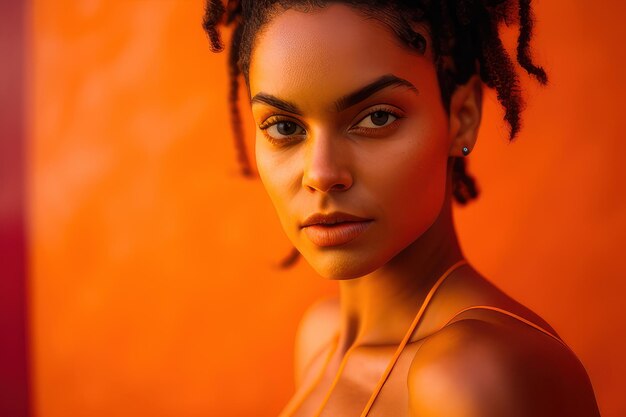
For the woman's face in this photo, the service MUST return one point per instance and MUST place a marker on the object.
(380, 154)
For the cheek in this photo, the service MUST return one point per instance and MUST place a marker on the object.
(410, 180)
(269, 171)
(277, 173)
(420, 191)
(416, 184)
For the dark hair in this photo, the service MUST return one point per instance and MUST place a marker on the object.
(465, 41)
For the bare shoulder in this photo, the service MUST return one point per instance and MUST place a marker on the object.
(475, 367)
(316, 329)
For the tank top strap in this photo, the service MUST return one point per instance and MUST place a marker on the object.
(409, 333)
(391, 364)
(510, 314)
(474, 307)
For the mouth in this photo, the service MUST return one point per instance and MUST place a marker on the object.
(332, 219)
(336, 234)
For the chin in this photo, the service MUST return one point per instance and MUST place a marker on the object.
(335, 265)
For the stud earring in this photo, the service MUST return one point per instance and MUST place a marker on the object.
(465, 151)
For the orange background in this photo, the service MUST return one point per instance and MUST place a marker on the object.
(153, 286)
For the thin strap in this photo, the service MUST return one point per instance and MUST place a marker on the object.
(332, 343)
(335, 341)
(408, 335)
(389, 366)
(508, 313)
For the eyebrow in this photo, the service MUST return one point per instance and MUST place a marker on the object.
(342, 103)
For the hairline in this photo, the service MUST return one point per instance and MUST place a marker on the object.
(377, 14)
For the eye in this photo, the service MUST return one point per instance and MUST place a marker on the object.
(377, 119)
(281, 130)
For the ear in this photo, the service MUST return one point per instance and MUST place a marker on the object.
(465, 114)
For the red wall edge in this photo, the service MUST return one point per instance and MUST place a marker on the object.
(14, 379)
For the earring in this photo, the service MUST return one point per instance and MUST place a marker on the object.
(466, 151)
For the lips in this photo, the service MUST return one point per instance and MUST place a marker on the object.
(332, 218)
(334, 229)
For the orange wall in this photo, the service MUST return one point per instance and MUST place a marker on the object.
(153, 290)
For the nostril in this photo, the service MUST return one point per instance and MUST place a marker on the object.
(327, 180)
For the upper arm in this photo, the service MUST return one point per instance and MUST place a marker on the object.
(475, 368)
(315, 331)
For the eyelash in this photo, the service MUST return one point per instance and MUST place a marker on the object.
(271, 121)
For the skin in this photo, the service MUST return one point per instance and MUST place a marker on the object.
(396, 170)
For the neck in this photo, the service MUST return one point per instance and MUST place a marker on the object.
(378, 308)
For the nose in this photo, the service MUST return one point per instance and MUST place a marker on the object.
(326, 166)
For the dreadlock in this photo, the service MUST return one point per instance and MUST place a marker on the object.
(465, 41)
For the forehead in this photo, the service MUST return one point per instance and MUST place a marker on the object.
(328, 51)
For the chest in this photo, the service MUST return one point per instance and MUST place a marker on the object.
(348, 395)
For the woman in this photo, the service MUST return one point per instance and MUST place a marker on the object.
(365, 112)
